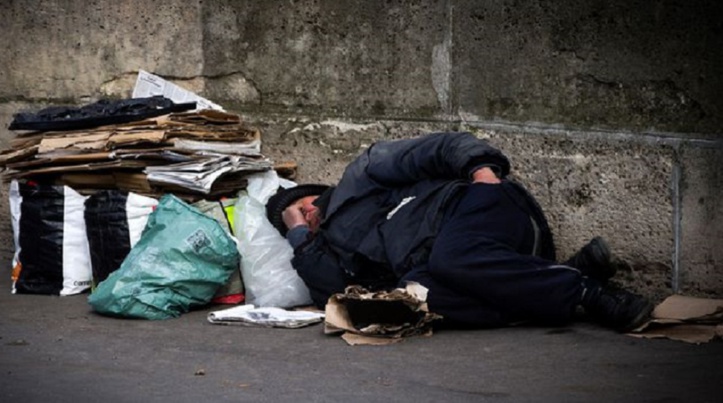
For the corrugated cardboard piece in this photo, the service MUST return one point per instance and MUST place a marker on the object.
(379, 318)
(688, 319)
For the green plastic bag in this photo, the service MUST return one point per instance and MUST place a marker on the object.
(182, 258)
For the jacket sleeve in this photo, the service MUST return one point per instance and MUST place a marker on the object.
(434, 156)
(319, 269)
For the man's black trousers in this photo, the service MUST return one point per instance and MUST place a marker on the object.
(481, 272)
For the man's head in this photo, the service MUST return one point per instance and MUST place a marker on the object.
(299, 200)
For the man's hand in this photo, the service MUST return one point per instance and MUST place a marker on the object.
(293, 216)
(485, 175)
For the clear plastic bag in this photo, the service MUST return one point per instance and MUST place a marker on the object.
(266, 269)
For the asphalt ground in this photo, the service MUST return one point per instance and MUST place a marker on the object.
(56, 349)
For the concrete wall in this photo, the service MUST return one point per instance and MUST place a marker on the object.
(610, 110)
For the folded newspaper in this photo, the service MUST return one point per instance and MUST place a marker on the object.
(200, 175)
(249, 315)
(148, 85)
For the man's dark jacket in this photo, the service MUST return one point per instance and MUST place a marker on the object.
(381, 220)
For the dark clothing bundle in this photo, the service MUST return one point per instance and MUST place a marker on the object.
(101, 113)
(407, 210)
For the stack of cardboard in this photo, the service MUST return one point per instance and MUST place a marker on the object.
(195, 155)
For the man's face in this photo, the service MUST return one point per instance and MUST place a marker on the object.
(311, 213)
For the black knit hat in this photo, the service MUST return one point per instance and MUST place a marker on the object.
(284, 197)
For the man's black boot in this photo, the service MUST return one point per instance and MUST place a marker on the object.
(615, 307)
(593, 260)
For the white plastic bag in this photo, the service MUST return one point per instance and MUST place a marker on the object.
(16, 199)
(268, 276)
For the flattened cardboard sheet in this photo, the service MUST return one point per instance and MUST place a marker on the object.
(687, 319)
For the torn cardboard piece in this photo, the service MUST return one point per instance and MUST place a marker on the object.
(690, 308)
(687, 319)
(379, 318)
(688, 333)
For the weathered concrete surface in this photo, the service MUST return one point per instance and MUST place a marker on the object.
(701, 216)
(613, 64)
(54, 349)
(362, 58)
(635, 65)
(71, 50)
(610, 110)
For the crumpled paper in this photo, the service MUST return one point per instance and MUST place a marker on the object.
(249, 315)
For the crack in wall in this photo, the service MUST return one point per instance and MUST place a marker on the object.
(441, 68)
(677, 224)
